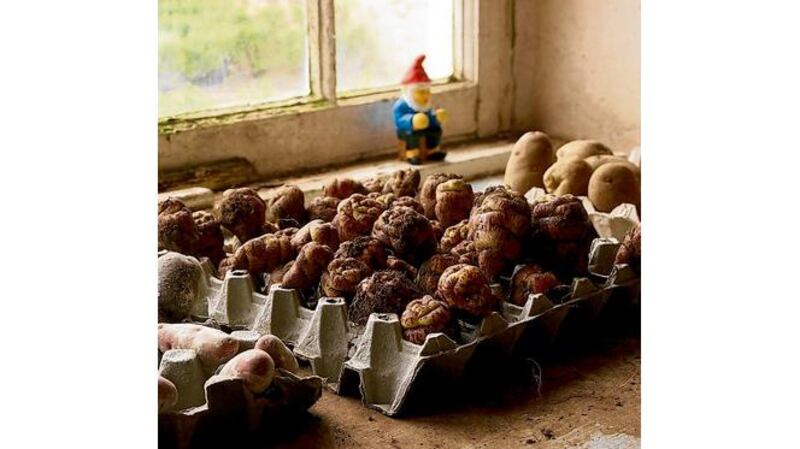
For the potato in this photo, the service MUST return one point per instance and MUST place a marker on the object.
(179, 286)
(599, 159)
(213, 346)
(568, 176)
(531, 156)
(614, 183)
(254, 366)
(582, 149)
(167, 394)
(280, 353)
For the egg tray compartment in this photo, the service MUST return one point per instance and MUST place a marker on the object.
(214, 411)
(375, 361)
(621, 281)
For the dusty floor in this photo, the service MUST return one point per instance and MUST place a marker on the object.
(589, 398)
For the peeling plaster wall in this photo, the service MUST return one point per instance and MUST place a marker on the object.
(577, 69)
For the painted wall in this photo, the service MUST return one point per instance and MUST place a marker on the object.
(577, 69)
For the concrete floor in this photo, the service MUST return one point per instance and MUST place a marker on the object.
(589, 398)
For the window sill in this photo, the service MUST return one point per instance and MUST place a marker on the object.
(471, 160)
(198, 120)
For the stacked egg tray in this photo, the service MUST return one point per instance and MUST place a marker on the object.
(376, 361)
(231, 413)
(213, 410)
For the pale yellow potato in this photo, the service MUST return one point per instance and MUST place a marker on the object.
(582, 149)
(569, 175)
(530, 157)
(614, 183)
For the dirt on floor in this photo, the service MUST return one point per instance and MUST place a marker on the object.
(589, 397)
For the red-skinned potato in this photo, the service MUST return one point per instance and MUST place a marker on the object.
(432, 269)
(167, 394)
(453, 236)
(323, 208)
(630, 252)
(343, 188)
(498, 229)
(424, 316)
(287, 203)
(254, 366)
(260, 255)
(530, 279)
(407, 232)
(176, 228)
(308, 267)
(393, 263)
(342, 277)
(403, 182)
(213, 346)
(368, 250)
(280, 353)
(386, 291)
(316, 231)
(210, 241)
(427, 193)
(373, 185)
(454, 200)
(355, 216)
(241, 211)
(464, 287)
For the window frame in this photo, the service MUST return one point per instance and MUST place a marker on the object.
(482, 108)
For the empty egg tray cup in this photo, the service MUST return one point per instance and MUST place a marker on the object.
(386, 367)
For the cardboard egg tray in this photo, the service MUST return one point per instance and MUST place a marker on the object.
(375, 361)
(221, 409)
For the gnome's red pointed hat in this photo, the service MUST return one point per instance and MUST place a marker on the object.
(416, 73)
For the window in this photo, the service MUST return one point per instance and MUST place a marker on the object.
(223, 55)
(216, 53)
(377, 40)
(345, 43)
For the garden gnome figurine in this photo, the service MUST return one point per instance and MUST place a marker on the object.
(419, 128)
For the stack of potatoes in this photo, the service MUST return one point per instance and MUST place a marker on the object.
(580, 167)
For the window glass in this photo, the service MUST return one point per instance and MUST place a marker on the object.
(221, 53)
(377, 40)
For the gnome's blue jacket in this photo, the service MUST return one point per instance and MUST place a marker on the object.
(403, 114)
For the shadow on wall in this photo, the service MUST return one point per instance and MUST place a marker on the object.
(577, 69)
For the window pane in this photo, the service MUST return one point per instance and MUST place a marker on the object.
(217, 53)
(377, 40)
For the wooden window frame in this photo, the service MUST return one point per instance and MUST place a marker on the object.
(329, 128)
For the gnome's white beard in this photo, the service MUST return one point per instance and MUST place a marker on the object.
(410, 100)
